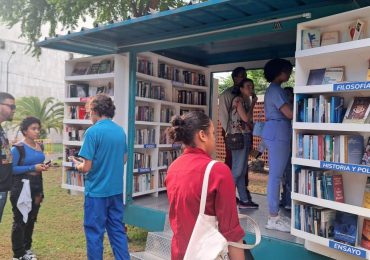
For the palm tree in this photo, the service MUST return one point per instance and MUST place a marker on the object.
(50, 112)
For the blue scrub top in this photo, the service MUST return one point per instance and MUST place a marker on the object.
(105, 145)
(277, 126)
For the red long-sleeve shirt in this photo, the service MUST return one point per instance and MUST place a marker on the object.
(184, 184)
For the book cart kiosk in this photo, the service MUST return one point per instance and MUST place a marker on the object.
(153, 79)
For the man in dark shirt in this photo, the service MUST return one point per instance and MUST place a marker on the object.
(7, 109)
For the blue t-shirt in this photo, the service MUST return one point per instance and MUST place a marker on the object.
(31, 158)
(275, 98)
(105, 145)
(277, 127)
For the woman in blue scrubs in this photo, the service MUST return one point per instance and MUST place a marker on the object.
(277, 135)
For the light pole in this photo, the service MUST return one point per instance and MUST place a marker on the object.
(7, 71)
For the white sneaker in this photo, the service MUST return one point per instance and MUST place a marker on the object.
(30, 253)
(279, 223)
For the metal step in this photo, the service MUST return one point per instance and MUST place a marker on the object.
(144, 256)
(159, 244)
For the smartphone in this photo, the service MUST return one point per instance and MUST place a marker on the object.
(48, 163)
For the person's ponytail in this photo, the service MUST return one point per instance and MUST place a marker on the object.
(185, 127)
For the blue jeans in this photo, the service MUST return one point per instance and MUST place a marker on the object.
(3, 196)
(102, 214)
(287, 184)
(279, 154)
(240, 168)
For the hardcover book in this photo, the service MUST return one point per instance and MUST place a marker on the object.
(355, 147)
(104, 66)
(333, 75)
(338, 188)
(327, 223)
(328, 38)
(345, 228)
(358, 110)
(79, 90)
(310, 39)
(80, 68)
(316, 76)
(365, 236)
(356, 30)
(94, 68)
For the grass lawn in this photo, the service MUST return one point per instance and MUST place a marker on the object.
(59, 231)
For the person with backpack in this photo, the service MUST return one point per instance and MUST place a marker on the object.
(28, 165)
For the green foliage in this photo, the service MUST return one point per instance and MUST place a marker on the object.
(50, 112)
(33, 15)
(260, 83)
(225, 83)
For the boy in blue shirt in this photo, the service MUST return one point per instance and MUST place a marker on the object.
(104, 153)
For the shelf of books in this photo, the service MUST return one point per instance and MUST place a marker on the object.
(331, 136)
(86, 77)
(165, 87)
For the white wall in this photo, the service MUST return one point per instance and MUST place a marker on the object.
(29, 76)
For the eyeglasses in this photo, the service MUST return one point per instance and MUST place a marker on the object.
(11, 106)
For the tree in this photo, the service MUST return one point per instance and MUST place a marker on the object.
(260, 83)
(33, 15)
(50, 112)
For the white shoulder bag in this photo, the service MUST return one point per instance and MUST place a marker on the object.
(206, 242)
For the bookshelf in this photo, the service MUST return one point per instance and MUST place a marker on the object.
(86, 84)
(164, 87)
(354, 56)
(162, 91)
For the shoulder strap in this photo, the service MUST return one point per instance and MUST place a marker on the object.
(41, 146)
(252, 227)
(229, 110)
(203, 197)
(22, 153)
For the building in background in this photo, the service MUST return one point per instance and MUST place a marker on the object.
(21, 74)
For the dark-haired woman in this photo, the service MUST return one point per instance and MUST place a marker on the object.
(277, 135)
(28, 164)
(241, 121)
(184, 184)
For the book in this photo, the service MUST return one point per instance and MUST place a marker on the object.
(80, 68)
(366, 157)
(338, 188)
(329, 185)
(328, 38)
(365, 235)
(310, 39)
(333, 75)
(82, 112)
(94, 68)
(356, 30)
(345, 228)
(355, 147)
(358, 110)
(316, 76)
(79, 90)
(327, 223)
(336, 108)
(104, 66)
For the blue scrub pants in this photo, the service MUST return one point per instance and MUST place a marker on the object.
(240, 168)
(102, 214)
(3, 196)
(279, 155)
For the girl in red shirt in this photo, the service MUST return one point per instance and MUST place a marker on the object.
(184, 184)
